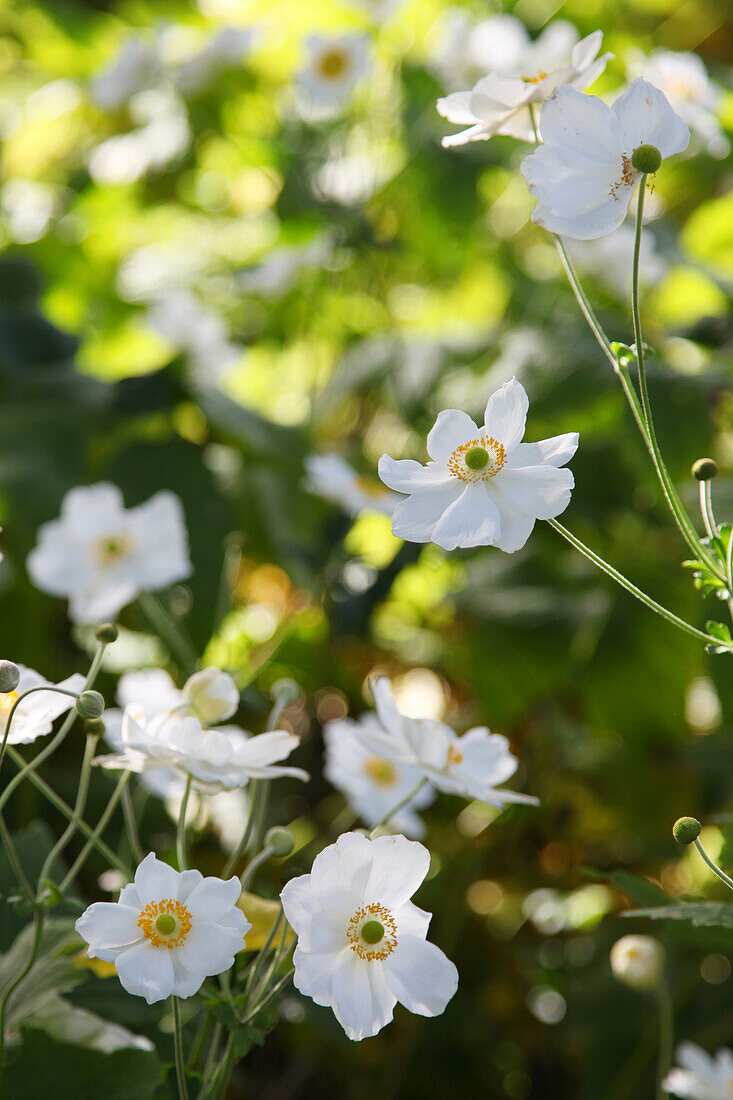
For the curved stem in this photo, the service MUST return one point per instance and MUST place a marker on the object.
(666, 1036)
(99, 829)
(396, 809)
(258, 860)
(713, 866)
(630, 587)
(19, 700)
(181, 831)
(178, 1050)
(133, 835)
(85, 775)
(14, 861)
(706, 510)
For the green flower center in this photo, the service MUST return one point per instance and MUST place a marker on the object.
(646, 158)
(372, 931)
(165, 924)
(477, 458)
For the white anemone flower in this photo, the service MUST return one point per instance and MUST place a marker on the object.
(584, 174)
(211, 696)
(335, 64)
(362, 943)
(35, 715)
(101, 555)
(215, 759)
(483, 487)
(471, 766)
(148, 692)
(523, 73)
(373, 785)
(695, 97)
(168, 931)
(331, 477)
(638, 961)
(699, 1076)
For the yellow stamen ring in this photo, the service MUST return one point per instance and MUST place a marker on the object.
(362, 930)
(478, 459)
(166, 923)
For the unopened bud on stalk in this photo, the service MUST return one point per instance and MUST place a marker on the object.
(705, 469)
(9, 676)
(637, 961)
(90, 704)
(646, 158)
(106, 633)
(686, 830)
(95, 727)
(280, 841)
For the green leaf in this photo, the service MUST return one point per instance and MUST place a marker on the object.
(702, 914)
(639, 890)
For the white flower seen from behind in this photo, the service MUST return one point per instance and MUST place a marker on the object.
(700, 1076)
(585, 172)
(362, 943)
(483, 486)
(102, 556)
(36, 713)
(168, 931)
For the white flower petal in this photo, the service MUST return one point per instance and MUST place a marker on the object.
(146, 971)
(506, 414)
(451, 429)
(472, 520)
(399, 866)
(421, 977)
(407, 476)
(555, 451)
(415, 517)
(155, 880)
(210, 947)
(412, 921)
(212, 897)
(585, 50)
(646, 117)
(362, 1001)
(314, 974)
(107, 924)
(456, 107)
(540, 491)
(266, 748)
(185, 983)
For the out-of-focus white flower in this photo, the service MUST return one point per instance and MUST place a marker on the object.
(102, 555)
(216, 759)
(483, 487)
(331, 477)
(335, 64)
(211, 695)
(148, 693)
(378, 9)
(683, 78)
(609, 259)
(225, 49)
(638, 961)
(35, 715)
(583, 175)
(362, 943)
(168, 931)
(200, 332)
(522, 72)
(699, 1076)
(472, 765)
(29, 208)
(162, 137)
(136, 67)
(373, 785)
(280, 268)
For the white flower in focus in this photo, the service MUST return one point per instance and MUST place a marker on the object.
(101, 555)
(168, 931)
(699, 1075)
(683, 78)
(211, 696)
(522, 73)
(362, 943)
(136, 67)
(35, 715)
(373, 785)
(471, 766)
(216, 759)
(331, 477)
(609, 259)
(335, 65)
(583, 175)
(483, 486)
(638, 961)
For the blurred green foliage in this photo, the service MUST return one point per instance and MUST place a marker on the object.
(361, 278)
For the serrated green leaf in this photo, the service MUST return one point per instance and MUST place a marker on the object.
(702, 914)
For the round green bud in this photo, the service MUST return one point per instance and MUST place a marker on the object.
(9, 677)
(686, 829)
(705, 469)
(90, 704)
(476, 458)
(372, 931)
(646, 159)
(106, 633)
(94, 726)
(165, 924)
(280, 841)
(286, 691)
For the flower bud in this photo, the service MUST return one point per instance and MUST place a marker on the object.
(94, 727)
(90, 704)
(646, 158)
(286, 691)
(106, 633)
(9, 676)
(280, 841)
(637, 961)
(212, 695)
(705, 469)
(686, 830)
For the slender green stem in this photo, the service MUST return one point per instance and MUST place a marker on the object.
(178, 1050)
(396, 809)
(252, 866)
(13, 985)
(211, 1057)
(19, 700)
(181, 832)
(101, 825)
(666, 1036)
(256, 794)
(131, 828)
(169, 629)
(200, 1038)
(706, 510)
(82, 792)
(64, 808)
(14, 861)
(257, 964)
(637, 592)
(713, 866)
(272, 992)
